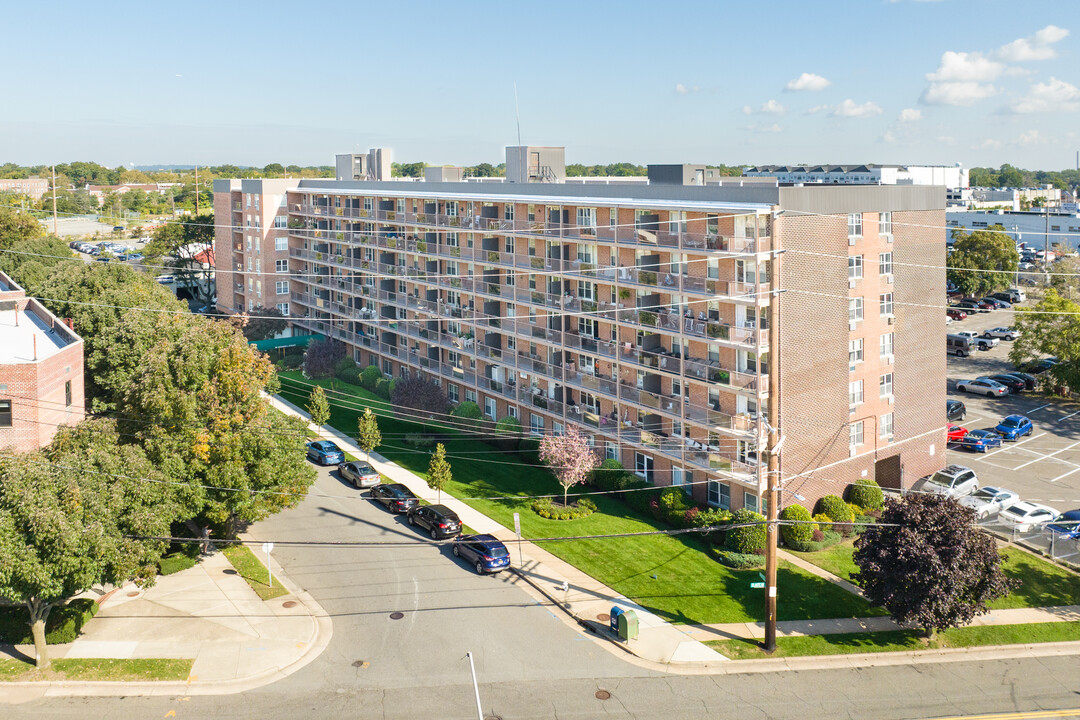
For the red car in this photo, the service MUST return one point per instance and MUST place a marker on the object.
(956, 314)
(956, 433)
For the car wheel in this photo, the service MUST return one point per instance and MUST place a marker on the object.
(990, 394)
(962, 416)
(457, 550)
(434, 535)
(479, 568)
(412, 519)
(986, 335)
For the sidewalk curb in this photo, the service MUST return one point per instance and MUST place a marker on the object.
(321, 634)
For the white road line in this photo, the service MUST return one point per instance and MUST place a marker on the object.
(1074, 470)
(1040, 408)
(1005, 447)
(1049, 456)
(1068, 416)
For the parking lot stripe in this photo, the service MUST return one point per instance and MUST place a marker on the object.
(1068, 416)
(1047, 457)
(1074, 470)
(1015, 445)
(1040, 408)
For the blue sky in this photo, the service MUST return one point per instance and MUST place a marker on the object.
(979, 82)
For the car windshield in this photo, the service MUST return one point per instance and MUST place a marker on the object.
(496, 552)
(1017, 510)
(1010, 422)
(943, 479)
(984, 494)
(364, 468)
(397, 491)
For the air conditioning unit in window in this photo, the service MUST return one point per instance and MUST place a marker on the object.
(851, 240)
(888, 359)
(851, 325)
(851, 283)
(889, 278)
(890, 399)
(892, 320)
(852, 450)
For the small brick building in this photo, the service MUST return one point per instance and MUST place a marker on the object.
(41, 371)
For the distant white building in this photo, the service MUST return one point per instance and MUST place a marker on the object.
(1033, 227)
(1004, 198)
(951, 176)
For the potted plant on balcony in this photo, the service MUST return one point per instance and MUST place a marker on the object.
(318, 256)
(721, 376)
(716, 330)
(537, 263)
(646, 317)
(492, 256)
(624, 294)
(647, 277)
(421, 246)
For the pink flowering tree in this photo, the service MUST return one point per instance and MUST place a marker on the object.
(570, 457)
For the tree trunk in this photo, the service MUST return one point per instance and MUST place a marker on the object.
(930, 634)
(565, 490)
(39, 613)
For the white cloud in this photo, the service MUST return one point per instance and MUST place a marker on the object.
(887, 137)
(1035, 47)
(774, 128)
(1051, 96)
(1031, 138)
(684, 90)
(818, 108)
(849, 108)
(770, 107)
(988, 144)
(1017, 71)
(807, 81)
(910, 115)
(966, 67)
(957, 93)
(946, 139)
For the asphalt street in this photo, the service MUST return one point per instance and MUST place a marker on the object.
(530, 663)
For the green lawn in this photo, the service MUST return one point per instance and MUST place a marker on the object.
(901, 640)
(689, 586)
(127, 670)
(1042, 583)
(252, 570)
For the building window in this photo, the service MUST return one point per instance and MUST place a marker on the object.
(586, 220)
(470, 395)
(489, 407)
(855, 393)
(719, 495)
(886, 345)
(5, 413)
(683, 478)
(282, 287)
(643, 466)
(508, 211)
(855, 309)
(280, 221)
(283, 308)
(281, 266)
(281, 243)
(536, 424)
(885, 425)
(884, 223)
(855, 351)
(452, 392)
(611, 451)
(885, 264)
(886, 305)
(885, 386)
(512, 411)
(854, 224)
(854, 267)
(67, 394)
(855, 430)
(558, 429)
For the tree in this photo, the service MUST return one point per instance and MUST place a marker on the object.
(569, 456)
(263, 323)
(318, 406)
(438, 473)
(273, 170)
(928, 564)
(423, 397)
(368, 432)
(468, 415)
(983, 260)
(72, 517)
(1051, 328)
(322, 357)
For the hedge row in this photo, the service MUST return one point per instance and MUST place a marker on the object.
(63, 625)
(546, 507)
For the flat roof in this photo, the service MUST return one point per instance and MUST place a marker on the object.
(17, 341)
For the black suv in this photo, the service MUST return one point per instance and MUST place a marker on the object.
(955, 411)
(439, 519)
(1012, 382)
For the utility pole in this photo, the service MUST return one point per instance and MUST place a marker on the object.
(196, 190)
(55, 231)
(771, 505)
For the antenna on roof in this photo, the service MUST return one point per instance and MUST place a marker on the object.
(517, 114)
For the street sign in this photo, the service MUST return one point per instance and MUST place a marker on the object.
(762, 576)
(517, 524)
(267, 547)
(757, 585)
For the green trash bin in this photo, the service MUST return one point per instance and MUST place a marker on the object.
(628, 625)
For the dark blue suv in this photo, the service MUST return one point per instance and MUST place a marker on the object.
(485, 552)
(325, 452)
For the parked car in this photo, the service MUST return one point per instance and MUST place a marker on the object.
(955, 410)
(998, 303)
(360, 474)
(980, 342)
(1025, 516)
(989, 501)
(1066, 526)
(1014, 427)
(955, 433)
(980, 440)
(969, 306)
(440, 521)
(987, 305)
(956, 314)
(988, 388)
(484, 552)
(325, 452)
(1037, 367)
(1029, 380)
(396, 497)
(948, 320)
(958, 345)
(133, 257)
(1012, 382)
(1005, 333)
(953, 481)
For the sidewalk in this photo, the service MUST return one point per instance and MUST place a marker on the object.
(208, 613)
(587, 600)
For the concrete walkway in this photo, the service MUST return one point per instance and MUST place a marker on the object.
(587, 600)
(207, 613)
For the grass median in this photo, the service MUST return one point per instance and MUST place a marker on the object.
(253, 571)
(99, 669)
(673, 576)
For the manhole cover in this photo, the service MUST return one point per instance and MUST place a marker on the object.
(230, 571)
(603, 695)
(289, 604)
(133, 594)
(603, 617)
(361, 664)
(396, 615)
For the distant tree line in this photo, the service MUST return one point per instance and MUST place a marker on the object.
(1009, 176)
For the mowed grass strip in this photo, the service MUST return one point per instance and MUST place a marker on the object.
(688, 587)
(99, 669)
(253, 571)
(901, 640)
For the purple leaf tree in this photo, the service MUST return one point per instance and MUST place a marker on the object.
(570, 457)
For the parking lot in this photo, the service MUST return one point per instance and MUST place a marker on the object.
(1043, 467)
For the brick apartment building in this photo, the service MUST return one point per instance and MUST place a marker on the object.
(34, 187)
(41, 371)
(643, 314)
